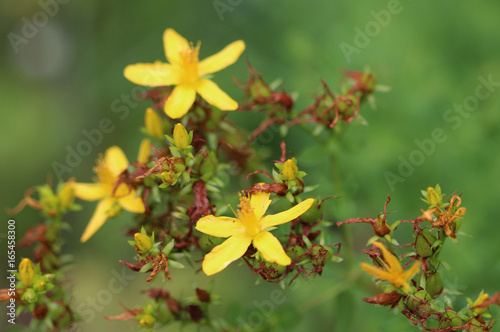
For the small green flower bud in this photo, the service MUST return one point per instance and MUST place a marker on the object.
(433, 197)
(450, 319)
(290, 169)
(147, 321)
(181, 136)
(420, 302)
(143, 242)
(321, 254)
(295, 252)
(423, 243)
(154, 124)
(39, 285)
(27, 272)
(48, 277)
(434, 284)
(29, 296)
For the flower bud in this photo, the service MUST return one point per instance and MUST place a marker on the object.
(480, 300)
(66, 195)
(27, 272)
(434, 284)
(39, 285)
(419, 303)
(144, 151)
(289, 169)
(167, 177)
(29, 296)
(449, 319)
(143, 242)
(423, 243)
(295, 252)
(181, 136)
(154, 124)
(433, 197)
(147, 321)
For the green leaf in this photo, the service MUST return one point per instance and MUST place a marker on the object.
(146, 267)
(175, 264)
(168, 248)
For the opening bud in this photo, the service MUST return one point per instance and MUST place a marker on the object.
(290, 169)
(433, 197)
(181, 136)
(144, 151)
(27, 272)
(143, 242)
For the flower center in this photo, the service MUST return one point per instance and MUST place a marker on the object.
(189, 64)
(247, 217)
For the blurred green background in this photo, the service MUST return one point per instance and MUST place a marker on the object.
(66, 76)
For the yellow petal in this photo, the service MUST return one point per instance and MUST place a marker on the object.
(180, 101)
(375, 271)
(286, 216)
(221, 60)
(91, 191)
(151, 74)
(225, 253)
(144, 151)
(215, 96)
(98, 219)
(391, 260)
(414, 269)
(271, 248)
(174, 44)
(132, 203)
(115, 160)
(260, 202)
(219, 226)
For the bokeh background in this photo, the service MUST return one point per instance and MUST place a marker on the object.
(66, 76)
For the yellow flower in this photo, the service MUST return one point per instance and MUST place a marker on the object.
(393, 271)
(111, 199)
(154, 125)
(187, 73)
(249, 227)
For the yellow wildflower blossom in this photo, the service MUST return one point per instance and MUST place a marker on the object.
(187, 73)
(111, 199)
(249, 227)
(393, 271)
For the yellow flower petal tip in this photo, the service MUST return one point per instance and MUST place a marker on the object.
(187, 73)
(249, 227)
(393, 271)
(112, 195)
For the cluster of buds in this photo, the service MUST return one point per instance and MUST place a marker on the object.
(327, 109)
(419, 299)
(150, 258)
(164, 309)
